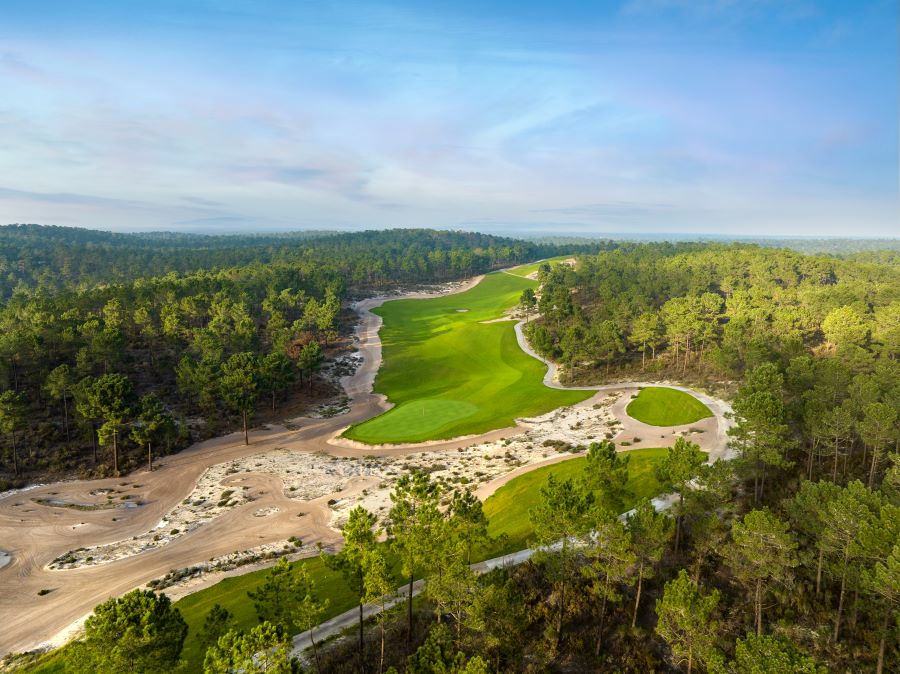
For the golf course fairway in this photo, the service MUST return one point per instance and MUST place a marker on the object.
(450, 374)
(508, 508)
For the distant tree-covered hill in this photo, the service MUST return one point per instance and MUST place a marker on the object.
(53, 258)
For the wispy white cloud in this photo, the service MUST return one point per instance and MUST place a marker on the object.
(654, 113)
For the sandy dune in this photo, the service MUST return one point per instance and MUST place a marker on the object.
(118, 518)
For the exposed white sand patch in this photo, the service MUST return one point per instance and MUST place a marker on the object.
(265, 512)
(306, 477)
(15, 492)
(5, 558)
(240, 559)
(226, 486)
(562, 430)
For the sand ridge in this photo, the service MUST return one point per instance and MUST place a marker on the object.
(185, 491)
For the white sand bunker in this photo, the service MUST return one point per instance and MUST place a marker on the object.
(306, 477)
(225, 486)
(265, 512)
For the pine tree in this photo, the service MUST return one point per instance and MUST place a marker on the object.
(686, 621)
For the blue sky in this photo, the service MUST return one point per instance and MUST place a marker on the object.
(709, 116)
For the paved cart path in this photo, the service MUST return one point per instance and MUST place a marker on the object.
(36, 528)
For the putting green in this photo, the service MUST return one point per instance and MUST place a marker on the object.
(659, 406)
(450, 374)
(507, 509)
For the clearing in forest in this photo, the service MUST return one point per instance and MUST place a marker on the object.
(660, 406)
(450, 374)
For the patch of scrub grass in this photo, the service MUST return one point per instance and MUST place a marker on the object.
(53, 662)
(659, 406)
(507, 509)
(450, 374)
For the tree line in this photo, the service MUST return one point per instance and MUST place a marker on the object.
(57, 258)
(784, 559)
(79, 357)
(807, 582)
(712, 310)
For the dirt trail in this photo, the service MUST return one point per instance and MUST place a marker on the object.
(39, 524)
(36, 526)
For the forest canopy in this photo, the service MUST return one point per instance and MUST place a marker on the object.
(117, 342)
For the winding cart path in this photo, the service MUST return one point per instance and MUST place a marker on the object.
(39, 524)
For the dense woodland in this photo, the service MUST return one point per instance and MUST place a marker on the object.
(786, 559)
(715, 311)
(114, 347)
(55, 258)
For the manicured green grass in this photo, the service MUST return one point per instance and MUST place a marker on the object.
(449, 374)
(231, 594)
(666, 407)
(507, 509)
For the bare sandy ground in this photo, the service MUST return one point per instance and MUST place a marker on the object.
(293, 480)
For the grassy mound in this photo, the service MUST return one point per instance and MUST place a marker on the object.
(666, 407)
(450, 374)
(507, 509)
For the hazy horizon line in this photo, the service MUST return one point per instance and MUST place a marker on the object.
(538, 234)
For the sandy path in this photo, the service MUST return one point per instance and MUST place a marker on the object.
(36, 533)
(714, 437)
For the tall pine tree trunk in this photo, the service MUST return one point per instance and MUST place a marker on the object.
(883, 643)
(819, 571)
(872, 470)
(758, 605)
(149, 457)
(66, 418)
(559, 617)
(362, 643)
(381, 659)
(602, 617)
(315, 648)
(809, 463)
(637, 597)
(246, 432)
(840, 610)
(834, 472)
